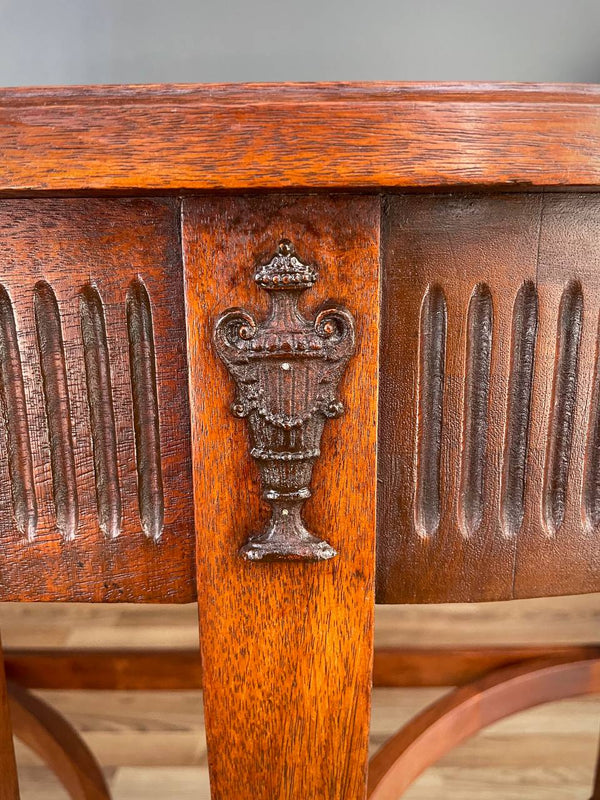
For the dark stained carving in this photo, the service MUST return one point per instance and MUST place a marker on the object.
(286, 371)
(524, 334)
(14, 407)
(564, 393)
(475, 412)
(102, 415)
(142, 365)
(58, 410)
(432, 359)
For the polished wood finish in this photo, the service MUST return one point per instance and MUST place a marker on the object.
(458, 666)
(488, 439)
(334, 136)
(121, 670)
(9, 782)
(283, 636)
(181, 670)
(95, 492)
(464, 712)
(488, 465)
(152, 744)
(58, 744)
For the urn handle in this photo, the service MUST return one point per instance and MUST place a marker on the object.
(286, 370)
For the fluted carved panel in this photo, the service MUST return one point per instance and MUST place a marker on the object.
(489, 462)
(142, 365)
(95, 488)
(432, 357)
(562, 414)
(102, 415)
(518, 407)
(14, 407)
(475, 408)
(58, 408)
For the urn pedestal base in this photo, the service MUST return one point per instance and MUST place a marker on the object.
(286, 538)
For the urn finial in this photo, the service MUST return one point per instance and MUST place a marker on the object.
(286, 371)
(285, 271)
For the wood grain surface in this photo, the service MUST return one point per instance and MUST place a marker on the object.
(465, 711)
(181, 670)
(172, 138)
(488, 458)
(151, 744)
(95, 491)
(287, 647)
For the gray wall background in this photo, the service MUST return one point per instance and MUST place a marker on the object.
(47, 42)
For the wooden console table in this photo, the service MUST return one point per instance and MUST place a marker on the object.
(291, 350)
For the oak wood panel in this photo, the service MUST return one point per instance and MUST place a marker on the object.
(558, 549)
(445, 372)
(287, 647)
(95, 491)
(181, 670)
(490, 354)
(167, 138)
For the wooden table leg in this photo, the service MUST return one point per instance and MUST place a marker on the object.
(286, 646)
(9, 784)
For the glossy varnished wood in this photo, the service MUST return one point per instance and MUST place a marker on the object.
(287, 647)
(489, 476)
(488, 462)
(465, 711)
(167, 138)
(181, 670)
(95, 491)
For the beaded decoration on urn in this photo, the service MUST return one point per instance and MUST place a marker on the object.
(286, 371)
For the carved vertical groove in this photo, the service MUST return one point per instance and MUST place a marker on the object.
(432, 357)
(142, 363)
(102, 417)
(591, 479)
(58, 412)
(14, 406)
(475, 411)
(524, 334)
(564, 395)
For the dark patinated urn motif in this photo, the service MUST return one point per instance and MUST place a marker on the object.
(286, 371)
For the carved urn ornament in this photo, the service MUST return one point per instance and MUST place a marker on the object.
(286, 371)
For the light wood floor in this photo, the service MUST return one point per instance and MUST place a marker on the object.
(152, 744)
